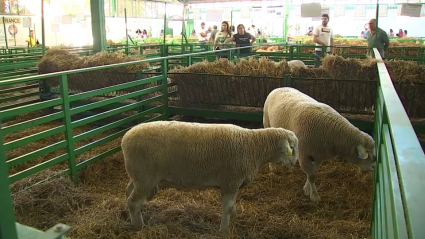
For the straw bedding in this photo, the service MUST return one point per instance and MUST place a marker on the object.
(274, 206)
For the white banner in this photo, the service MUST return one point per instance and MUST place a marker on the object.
(411, 10)
(196, 14)
(26, 22)
(245, 12)
(214, 15)
(311, 10)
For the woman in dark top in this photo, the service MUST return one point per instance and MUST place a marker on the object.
(242, 38)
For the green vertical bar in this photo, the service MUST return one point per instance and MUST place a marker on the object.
(97, 10)
(285, 31)
(140, 98)
(377, 12)
(7, 215)
(5, 35)
(114, 8)
(67, 121)
(164, 69)
(165, 23)
(43, 37)
(189, 60)
(291, 53)
(126, 31)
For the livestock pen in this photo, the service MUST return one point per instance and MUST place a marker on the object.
(77, 133)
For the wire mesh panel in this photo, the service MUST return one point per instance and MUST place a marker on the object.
(213, 90)
(351, 96)
(413, 98)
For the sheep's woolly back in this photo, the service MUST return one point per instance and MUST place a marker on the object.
(296, 63)
(314, 123)
(199, 151)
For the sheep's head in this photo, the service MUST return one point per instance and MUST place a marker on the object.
(366, 154)
(289, 150)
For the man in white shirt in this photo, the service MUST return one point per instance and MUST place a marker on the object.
(323, 36)
(202, 35)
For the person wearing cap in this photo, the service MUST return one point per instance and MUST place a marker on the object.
(323, 36)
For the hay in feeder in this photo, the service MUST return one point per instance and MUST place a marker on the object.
(401, 70)
(245, 83)
(262, 67)
(349, 68)
(316, 73)
(56, 60)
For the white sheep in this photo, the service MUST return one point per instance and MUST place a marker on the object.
(198, 156)
(322, 133)
(296, 63)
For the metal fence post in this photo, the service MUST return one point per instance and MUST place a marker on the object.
(66, 108)
(7, 215)
(164, 70)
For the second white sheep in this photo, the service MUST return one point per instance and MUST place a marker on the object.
(322, 133)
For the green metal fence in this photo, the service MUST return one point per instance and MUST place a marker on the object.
(398, 179)
(117, 107)
(114, 109)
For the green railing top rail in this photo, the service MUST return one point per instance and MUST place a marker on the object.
(410, 158)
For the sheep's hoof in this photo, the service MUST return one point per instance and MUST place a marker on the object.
(272, 168)
(224, 230)
(307, 189)
(315, 197)
(137, 224)
(233, 212)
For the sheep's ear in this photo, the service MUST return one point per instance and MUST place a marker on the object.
(363, 154)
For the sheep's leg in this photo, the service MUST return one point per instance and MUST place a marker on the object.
(153, 193)
(272, 167)
(134, 203)
(307, 188)
(310, 168)
(266, 124)
(129, 189)
(228, 203)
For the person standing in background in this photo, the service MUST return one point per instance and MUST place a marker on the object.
(242, 38)
(32, 42)
(323, 36)
(213, 32)
(391, 33)
(202, 35)
(377, 38)
(221, 37)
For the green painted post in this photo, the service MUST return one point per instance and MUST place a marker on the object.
(114, 8)
(126, 31)
(164, 70)
(97, 10)
(64, 91)
(140, 98)
(5, 35)
(165, 27)
(285, 31)
(377, 12)
(43, 37)
(7, 215)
